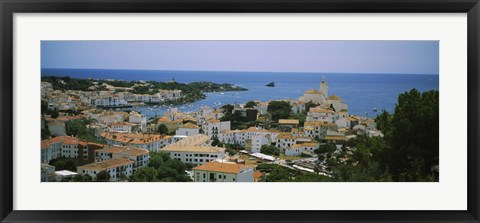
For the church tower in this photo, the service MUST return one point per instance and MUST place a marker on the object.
(324, 87)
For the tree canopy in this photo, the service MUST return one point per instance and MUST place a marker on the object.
(161, 168)
(279, 109)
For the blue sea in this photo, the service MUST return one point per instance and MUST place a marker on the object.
(362, 92)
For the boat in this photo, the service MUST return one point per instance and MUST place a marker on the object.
(375, 109)
(271, 84)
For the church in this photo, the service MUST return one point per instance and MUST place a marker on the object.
(321, 98)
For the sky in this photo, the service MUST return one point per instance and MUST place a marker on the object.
(401, 57)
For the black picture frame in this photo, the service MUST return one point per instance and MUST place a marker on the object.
(9, 7)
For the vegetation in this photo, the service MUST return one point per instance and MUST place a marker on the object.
(64, 163)
(409, 150)
(270, 150)
(162, 129)
(78, 128)
(45, 133)
(190, 91)
(161, 168)
(250, 104)
(81, 178)
(102, 176)
(279, 109)
(277, 173)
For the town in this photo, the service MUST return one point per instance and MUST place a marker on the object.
(89, 134)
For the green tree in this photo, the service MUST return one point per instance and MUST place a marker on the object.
(82, 178)
(270, 150)
(46, 133)
(162, 129)
(63, 163)
(250, 104)
(144, 174)
(102, 176)
(279, 109)
(309, 105)
(415, 137)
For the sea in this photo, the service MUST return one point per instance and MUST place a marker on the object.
(365, 94)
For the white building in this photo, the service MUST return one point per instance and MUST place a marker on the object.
(319, 114)
(252, 138)
(213, 127)
(118, 168)
(122, 127)
(51, 149)
(188, 129)
(139, 119)
(151, 142)
(298, 149)
(109, 101)
(139, 156)
(196, 155)
(223, 172)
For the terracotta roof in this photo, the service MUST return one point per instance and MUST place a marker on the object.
(255, 129)
(194, 140)
(334, 137)
(288, 121)
(190, 126)
(47, 142)
(134, 138)
(257, 175)
(192, 148)
(68, 118)
(286, 135)
(213, 120)
(334, 97)
(122, 124)
(319, 124)
(221, 167)
(107, 164)
(311, 91)
(320, 110)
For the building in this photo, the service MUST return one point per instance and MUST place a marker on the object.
(223, 172)
(122, 127)
(51, 149)
(194, 154)
(298, 149)
(151, 142)
(188, 129)
(318, 129)
(139, 119)
(138, 155)
(47, 172)
(118, 168)
(64, 146)
(252, 138)
(194, 140)
(213, 127)
(319, 114)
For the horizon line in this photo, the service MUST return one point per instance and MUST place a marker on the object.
(307, 72)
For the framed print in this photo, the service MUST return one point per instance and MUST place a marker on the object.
(239, 111)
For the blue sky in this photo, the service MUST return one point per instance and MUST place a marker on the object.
(404, 57)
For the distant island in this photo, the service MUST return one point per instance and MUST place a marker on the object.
(144, 92)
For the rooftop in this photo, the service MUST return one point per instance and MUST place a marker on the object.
(194, 140)
(107, 164)
(125, 150)
(288, 121)
(134, 138)
(221, 167)
(190, 126)
(193, 148)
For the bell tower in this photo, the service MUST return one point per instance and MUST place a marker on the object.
(324, 87)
